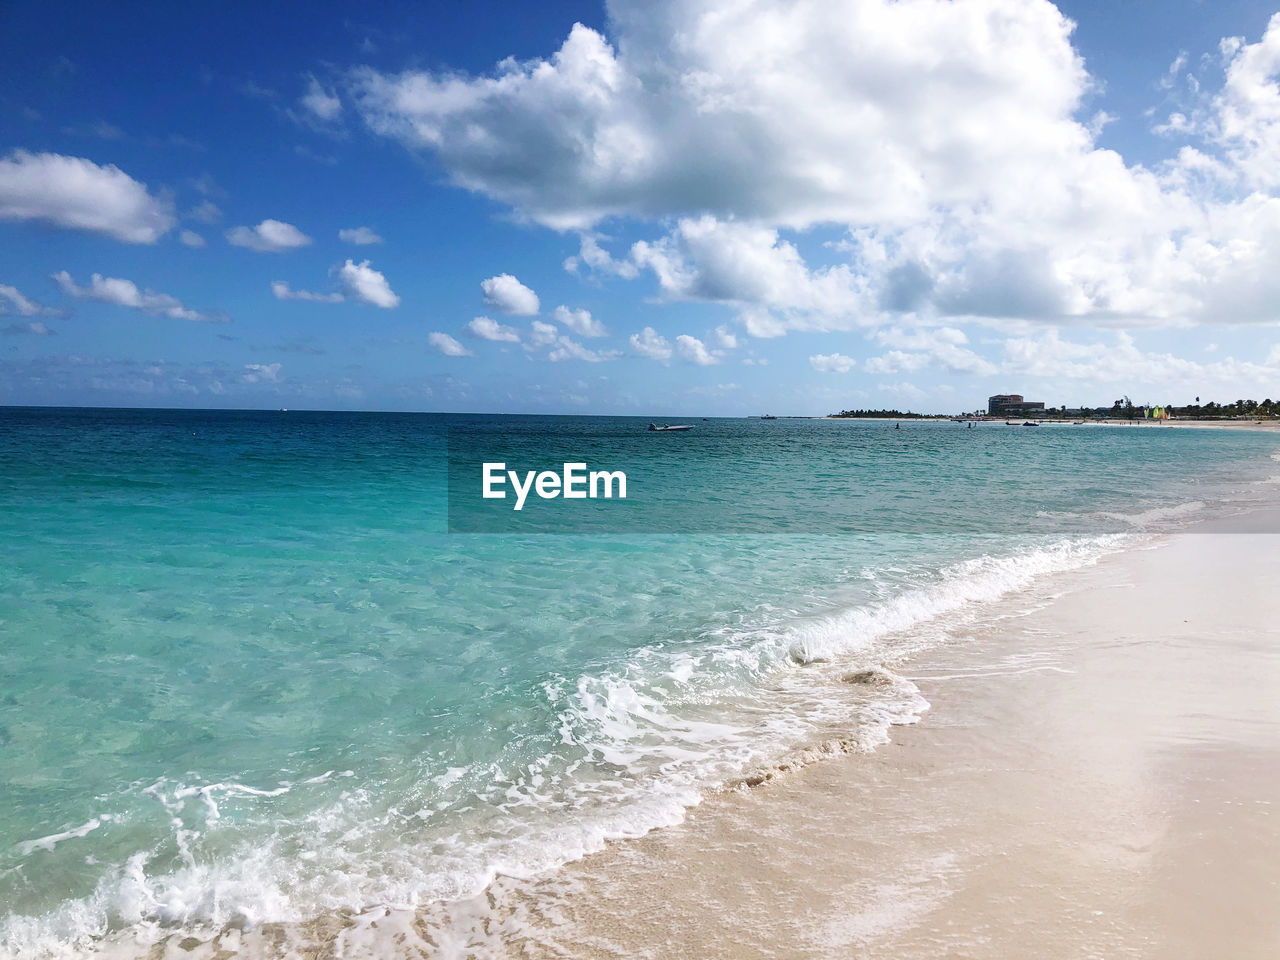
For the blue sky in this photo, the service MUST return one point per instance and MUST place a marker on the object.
(698, 207)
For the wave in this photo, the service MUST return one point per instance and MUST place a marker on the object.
(638, 745)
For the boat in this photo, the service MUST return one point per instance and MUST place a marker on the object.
(1031, 423)
(768, 416)
(670, 428)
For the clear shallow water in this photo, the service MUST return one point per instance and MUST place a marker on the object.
(247, 675)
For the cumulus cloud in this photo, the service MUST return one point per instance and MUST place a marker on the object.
(726, 338)
(487, 329)
(12, 300)
(968, 185)
(695, 351)
(945, 347)
(270, 236)
(447, 345)
(191, 239)
(363, 283)
(598, 259)
(649, 343)
(696, 110)
(543, 334)
(832, 363)
(580, 322)
(78, 194)
(360, 236)
(125, 293)
(282, 291)
(752, 268)
(504, 292)
(320, 103)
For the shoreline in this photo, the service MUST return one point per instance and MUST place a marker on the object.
(781, 861)
(1098, 775)
(1095, 777)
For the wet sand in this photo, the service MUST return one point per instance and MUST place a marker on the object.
(1099, 776)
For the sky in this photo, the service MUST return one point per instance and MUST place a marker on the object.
(651, 207)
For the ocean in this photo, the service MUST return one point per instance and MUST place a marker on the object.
(260, 667)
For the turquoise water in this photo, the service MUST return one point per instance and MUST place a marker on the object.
(248, 674)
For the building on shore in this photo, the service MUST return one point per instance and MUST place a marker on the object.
(1008, 404)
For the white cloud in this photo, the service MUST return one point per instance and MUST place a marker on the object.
(12, 300)
(78, 194)
(580, 322)
(968, 182)
(487, 329)
(191, 239)
(752, 268)
(946, 347)
(125, 293)
(699, 110)
(447, 345)
(831, 363)
(270, 236)
(363, 283)
(649, 343)
(726, 338)
(569, 349)
(599, 259)
(261, 373)
(504, 292)
(897, 361)
(1118, 362)
(360, 236)
(319, 102)
(543, 334)
(206, 212)
(695, 351)
(35, 328)
(282, 291)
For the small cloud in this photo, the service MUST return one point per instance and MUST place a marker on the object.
(320, 103)
(34, 328)
(543, 334)
(487, 329)
(695, 351)
(569, 349)
(832, 363)
(12, 300)
(270, 236)
(580, 322)
(360, 236)
(726, 338)
(649, 343)
(365, 284)
(206, 212)
(125, 293)
(78, 194)
(261, 373)
(191, 238)
(504, 292)
(282, 291)
(447, 345)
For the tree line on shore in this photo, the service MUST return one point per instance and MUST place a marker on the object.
(1124, 409)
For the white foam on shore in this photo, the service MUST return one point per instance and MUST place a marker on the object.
(639, 745)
